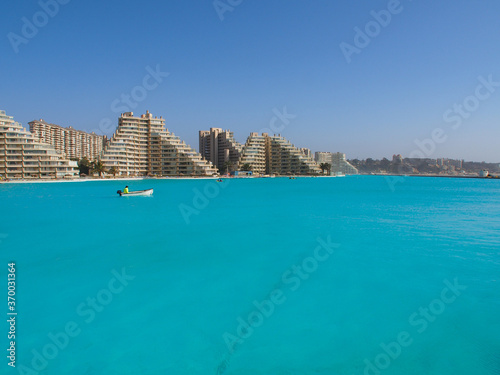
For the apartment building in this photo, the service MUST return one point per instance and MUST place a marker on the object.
(307, 152)
(284, 158)
(338, 162)
(219, 147)
(275, 155)
(341, 166)
(23, 156)
(255, 153)
(323, 157)
(141, 146)
(75, 144)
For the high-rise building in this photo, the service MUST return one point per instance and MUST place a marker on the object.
(284, 158)
(141, 146)
(178, 158)
(323, 157)
(338, 162)
(75, 144)
(255, 153)
(307, 152)
(275, 155)
(458, 164)
(219, 147)
(341, 166)
(22, 156)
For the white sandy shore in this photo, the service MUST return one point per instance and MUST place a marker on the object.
(101, 179)
(143, 178)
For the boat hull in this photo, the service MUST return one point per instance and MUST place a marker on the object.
(139, 193)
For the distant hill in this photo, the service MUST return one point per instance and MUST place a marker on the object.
(400, 165)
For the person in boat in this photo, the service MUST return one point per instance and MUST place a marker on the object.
(125, 191)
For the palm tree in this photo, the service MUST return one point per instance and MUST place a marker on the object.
(114, 171)
(246, 167)
(323, 167)
(98, 166)
(228, 164)
(328, 168)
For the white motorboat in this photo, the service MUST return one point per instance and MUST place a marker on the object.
(136, 193)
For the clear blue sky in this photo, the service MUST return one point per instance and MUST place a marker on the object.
(265, 55)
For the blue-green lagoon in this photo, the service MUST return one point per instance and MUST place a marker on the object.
(354, 275)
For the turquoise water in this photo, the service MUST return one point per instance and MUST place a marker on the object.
(414, 270)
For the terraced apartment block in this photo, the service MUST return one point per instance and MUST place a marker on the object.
(22, 156)
(338, 162)
(284, 158)
(264, 153)
(141, 146)
(75, 144)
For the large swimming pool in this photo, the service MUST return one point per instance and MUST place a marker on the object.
(354, 275)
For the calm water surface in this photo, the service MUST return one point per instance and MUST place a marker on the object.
(255, 276)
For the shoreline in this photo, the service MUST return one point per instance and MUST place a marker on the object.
(430, 175)
(83, 180)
